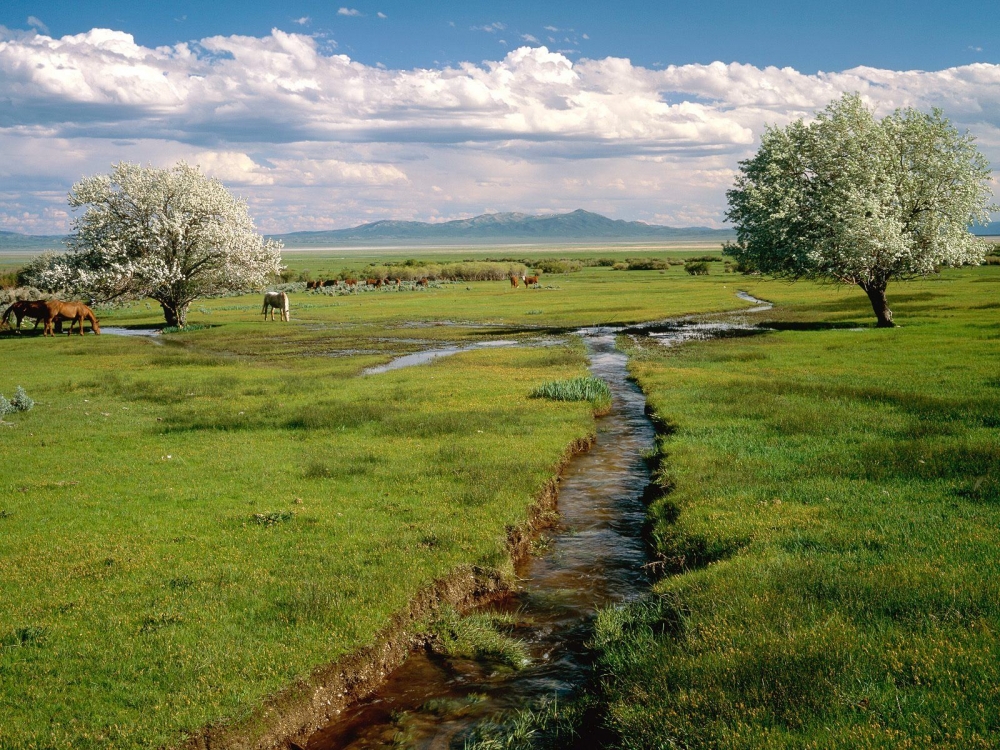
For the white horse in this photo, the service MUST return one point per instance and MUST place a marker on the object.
(276, 300)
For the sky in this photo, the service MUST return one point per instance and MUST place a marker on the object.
(325, 115)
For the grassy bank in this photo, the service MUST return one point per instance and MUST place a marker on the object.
(828, 529)
(191, 524)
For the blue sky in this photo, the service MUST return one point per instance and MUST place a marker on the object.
(326, 114)
(808, 36)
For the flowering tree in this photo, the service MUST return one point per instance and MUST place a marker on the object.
(861, 201)
(172, 235)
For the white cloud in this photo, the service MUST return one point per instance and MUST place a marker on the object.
(348, 12)
(36, 23)
(304, 21)
(530, 38)
(380, 14)
(551, 28)
(490, 28)
(313, 138)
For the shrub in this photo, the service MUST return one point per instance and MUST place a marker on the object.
(647, 264)
(705, 259)
(20, 402)
(620, 266)
(590, 389)
(991, 260)
(697, 269)
(558, 266)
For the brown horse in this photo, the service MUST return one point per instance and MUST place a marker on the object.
(422, 282)
(350, 283)
(24, 309)
(529, 281)
(513, 281)
(75, 312)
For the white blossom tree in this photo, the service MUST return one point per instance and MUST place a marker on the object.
(860, 200)
(172, 235)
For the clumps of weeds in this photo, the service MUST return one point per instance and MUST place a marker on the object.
(594, 390)
(317, 470)
(186, 329)
(180, 583)
(273, 518)
(20, 402)
(32, 635)
(5, 514)
(699, 268)
(152, 623)
(477, 636)
(548, 724)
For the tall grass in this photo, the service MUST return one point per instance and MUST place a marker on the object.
(588, 388)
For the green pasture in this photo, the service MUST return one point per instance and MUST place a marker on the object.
(190, 524)
(828, 531)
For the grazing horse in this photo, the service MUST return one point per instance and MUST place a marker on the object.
(24, 309)
(312, 284)
(513, 281)
(74, 312)
(399, 283)
(422, 282)
(276, 300)
(331, 282)
(350, 283)
(529, 281)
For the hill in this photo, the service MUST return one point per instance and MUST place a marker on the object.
(576, 226)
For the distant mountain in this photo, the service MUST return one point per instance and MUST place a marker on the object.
(33, 242)
(506, 227)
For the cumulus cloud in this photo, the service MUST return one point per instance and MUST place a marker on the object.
(348, 12)
(300, 130)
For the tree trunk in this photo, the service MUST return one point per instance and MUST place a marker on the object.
(876, 294)
(175, 315)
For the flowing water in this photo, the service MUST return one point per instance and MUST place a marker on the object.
(595, 557)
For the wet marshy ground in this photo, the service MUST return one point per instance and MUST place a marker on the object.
(593, 558)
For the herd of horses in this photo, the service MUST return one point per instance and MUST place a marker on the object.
(51, 313)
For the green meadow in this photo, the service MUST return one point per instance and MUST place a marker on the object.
(191, 523)
(827, 529)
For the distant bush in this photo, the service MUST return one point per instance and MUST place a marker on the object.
(590, 389)
(621, 266)
(697, 269)
(463, 271)
(559, 266)
(605, 262)
(991, 260)
(705, 259)
(647, 264)
(20, 402)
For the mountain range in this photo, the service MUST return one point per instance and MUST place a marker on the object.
(576, 226)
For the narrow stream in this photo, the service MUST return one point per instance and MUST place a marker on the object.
(594, 558)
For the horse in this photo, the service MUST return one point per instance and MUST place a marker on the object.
(276, 300)
(529, 280)
(313, 284)
(399, 283)
(422, 282)
(22, 309)
(513, 281)
(350, 283)
(331, 282)
(74, 312)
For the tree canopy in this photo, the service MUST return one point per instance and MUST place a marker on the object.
(860, 200)
(172, 235)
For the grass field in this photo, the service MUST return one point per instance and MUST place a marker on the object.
(829, 527)
(190, 524)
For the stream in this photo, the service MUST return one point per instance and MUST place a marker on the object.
(593, 558)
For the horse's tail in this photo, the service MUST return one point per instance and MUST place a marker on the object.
(285, 307)
(7, 314)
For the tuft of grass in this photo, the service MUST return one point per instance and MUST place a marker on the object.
(186, 329)
(477, 636)
(588, 388)
(549, 725)
(272, 518)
